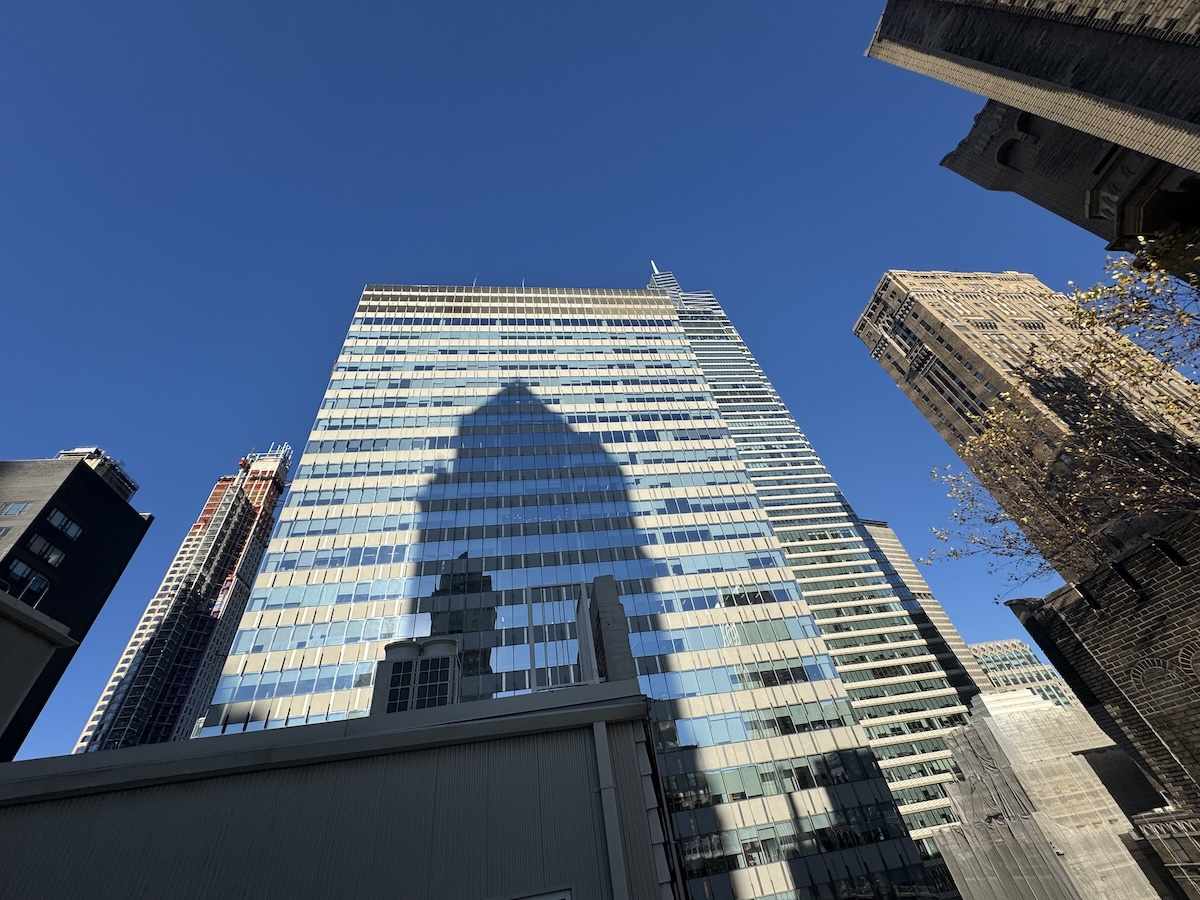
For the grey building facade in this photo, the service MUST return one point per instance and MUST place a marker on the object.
(1093, 111)
(1034, 820)
(547, 796)
(67, 531)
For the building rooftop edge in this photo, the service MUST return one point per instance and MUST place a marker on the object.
(395, 286)
(35, 780)
(958, 273)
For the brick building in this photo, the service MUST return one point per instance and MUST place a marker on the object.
(1127, 640)
(1093, 112)
(161, 683)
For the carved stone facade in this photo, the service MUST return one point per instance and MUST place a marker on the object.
(1115, 193)
(1127, 72)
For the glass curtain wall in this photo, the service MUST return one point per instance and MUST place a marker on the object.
(480, 456)
(898, 688)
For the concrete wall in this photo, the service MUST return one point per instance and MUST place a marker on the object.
(457, 808)
(29, 640)
(1035, 819)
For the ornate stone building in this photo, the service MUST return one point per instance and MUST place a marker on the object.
(954, 342)
(1116, 193)
(1126, 633)
(1094, 109)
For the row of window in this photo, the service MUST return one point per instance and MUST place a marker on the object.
(516, 442)
(39, 546)
(475, 424)
(521, 657)
(24, 583)
(503, 540)
(392, 401)
(892, 690)
(510, 626)
(322, 634)
(833, 626)
(926, 793)
(418, 338)
(590, 345)
(290, 682)
(14, 507)
(898, 729)
(64, 523)
(708, 787)
(556, 564)
(488, 383)
(735, 677)
(551, 671)
(925, 769)
(754, 724)
(488, 462)
(520, 369)
(918, 668)
(637, 603)
(521, 322)
(841, 829)
(458, 483)
(903, 707)
(712, 637)
(637, 596)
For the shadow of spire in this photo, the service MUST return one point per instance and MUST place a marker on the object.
(505, 552)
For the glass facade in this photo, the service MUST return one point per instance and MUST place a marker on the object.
(896, 682)
(1011, 663)
(480, 456)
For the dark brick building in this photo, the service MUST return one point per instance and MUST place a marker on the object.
(1094, 110)
(1116, 193)
(1127, 640)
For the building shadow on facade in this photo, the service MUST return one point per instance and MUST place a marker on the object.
(514, 529)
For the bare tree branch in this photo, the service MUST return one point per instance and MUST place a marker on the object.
(1099, 436)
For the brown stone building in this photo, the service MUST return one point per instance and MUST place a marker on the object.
(1126, 634)
(1116, 193)
(954, 342)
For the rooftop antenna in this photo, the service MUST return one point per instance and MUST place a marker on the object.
(474, 281)
(653, 267)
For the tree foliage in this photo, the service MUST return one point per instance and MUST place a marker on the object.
(1100, 436)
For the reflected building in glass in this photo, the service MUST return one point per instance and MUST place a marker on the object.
(481, 455)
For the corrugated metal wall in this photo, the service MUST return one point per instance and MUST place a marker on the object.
(497, 819)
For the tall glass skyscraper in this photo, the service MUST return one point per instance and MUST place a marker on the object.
(481, 455)
(898, 685)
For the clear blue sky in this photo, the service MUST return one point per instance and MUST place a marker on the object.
(193, 196)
